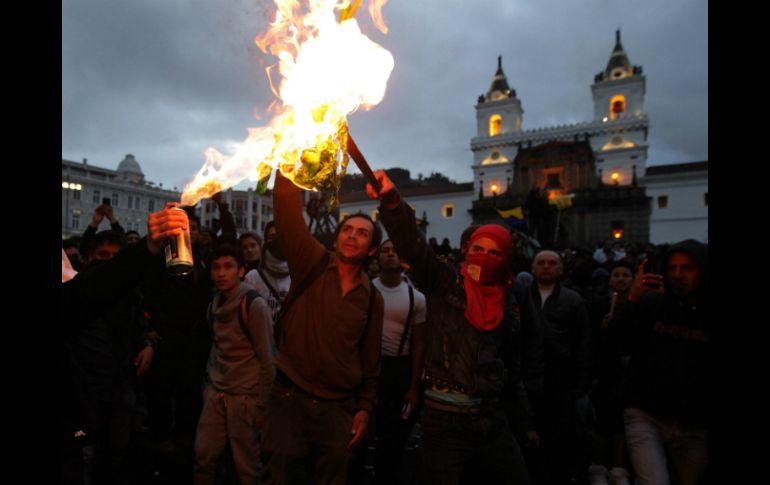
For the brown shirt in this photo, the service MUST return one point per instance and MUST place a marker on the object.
(326, 347)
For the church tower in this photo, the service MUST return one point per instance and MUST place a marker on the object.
(498, 118)
(618, 94)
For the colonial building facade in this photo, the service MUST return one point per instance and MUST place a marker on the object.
(593, 210)
(85, 186)
(442, 211)
(250, 210)
(680, 202)
(617, 134)
(600, 164)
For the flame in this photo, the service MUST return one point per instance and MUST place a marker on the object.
(375, 10)
(328, 70)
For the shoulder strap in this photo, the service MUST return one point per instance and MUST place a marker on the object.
(369, 310)
(408, 319)
(243, 315)
(269, 286)
(301, 287)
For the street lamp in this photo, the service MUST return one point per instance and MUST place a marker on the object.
(69, 186)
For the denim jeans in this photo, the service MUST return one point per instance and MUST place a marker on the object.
(654, 441)
(452, 441)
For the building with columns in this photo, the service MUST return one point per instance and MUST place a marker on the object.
(250, 210)
(132, 197)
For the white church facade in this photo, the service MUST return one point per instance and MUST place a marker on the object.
(618, 136)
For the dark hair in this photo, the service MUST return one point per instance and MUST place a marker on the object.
(227, 249)
(267, 228)
(376, 234)
(125, 236)
(467, 233)
(191, 216)
(109, 237)
(252, 235)
(379, 248)
(623, 264)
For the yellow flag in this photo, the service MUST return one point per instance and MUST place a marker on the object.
(516, 212)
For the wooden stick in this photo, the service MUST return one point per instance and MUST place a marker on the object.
(357, 157)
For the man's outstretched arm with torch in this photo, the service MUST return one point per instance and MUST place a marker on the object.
(328, 343)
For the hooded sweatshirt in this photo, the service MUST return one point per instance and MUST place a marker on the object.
(239, 363)
(666, 336)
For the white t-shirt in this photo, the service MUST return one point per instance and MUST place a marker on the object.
(544, 294)
(396, 310)
(281, 285)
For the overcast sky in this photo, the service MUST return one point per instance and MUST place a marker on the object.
(164, 80)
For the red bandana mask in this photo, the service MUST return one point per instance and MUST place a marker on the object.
(484, 279)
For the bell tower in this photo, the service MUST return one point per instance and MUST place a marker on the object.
(618, 94)
(498, 120)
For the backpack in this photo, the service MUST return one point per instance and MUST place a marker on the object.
(243, 314)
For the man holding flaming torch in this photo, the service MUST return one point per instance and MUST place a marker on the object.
(328, 336)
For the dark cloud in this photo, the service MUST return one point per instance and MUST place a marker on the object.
(166, 80)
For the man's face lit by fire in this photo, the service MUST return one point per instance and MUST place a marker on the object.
(354, 241)
(485, 245)
(226, 273)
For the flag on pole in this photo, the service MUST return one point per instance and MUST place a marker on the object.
(514, 217)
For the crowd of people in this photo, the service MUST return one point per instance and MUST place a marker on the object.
(277, 360)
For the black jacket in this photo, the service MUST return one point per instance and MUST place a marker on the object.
(667, 339)
(566, 337)
(458, 355)
(86, 298)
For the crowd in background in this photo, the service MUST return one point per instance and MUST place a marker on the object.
(617, 387)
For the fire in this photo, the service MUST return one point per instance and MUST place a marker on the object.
(328, 69)
(207, 189)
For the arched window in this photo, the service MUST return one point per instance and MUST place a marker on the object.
(495, 122)
(617, 106)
